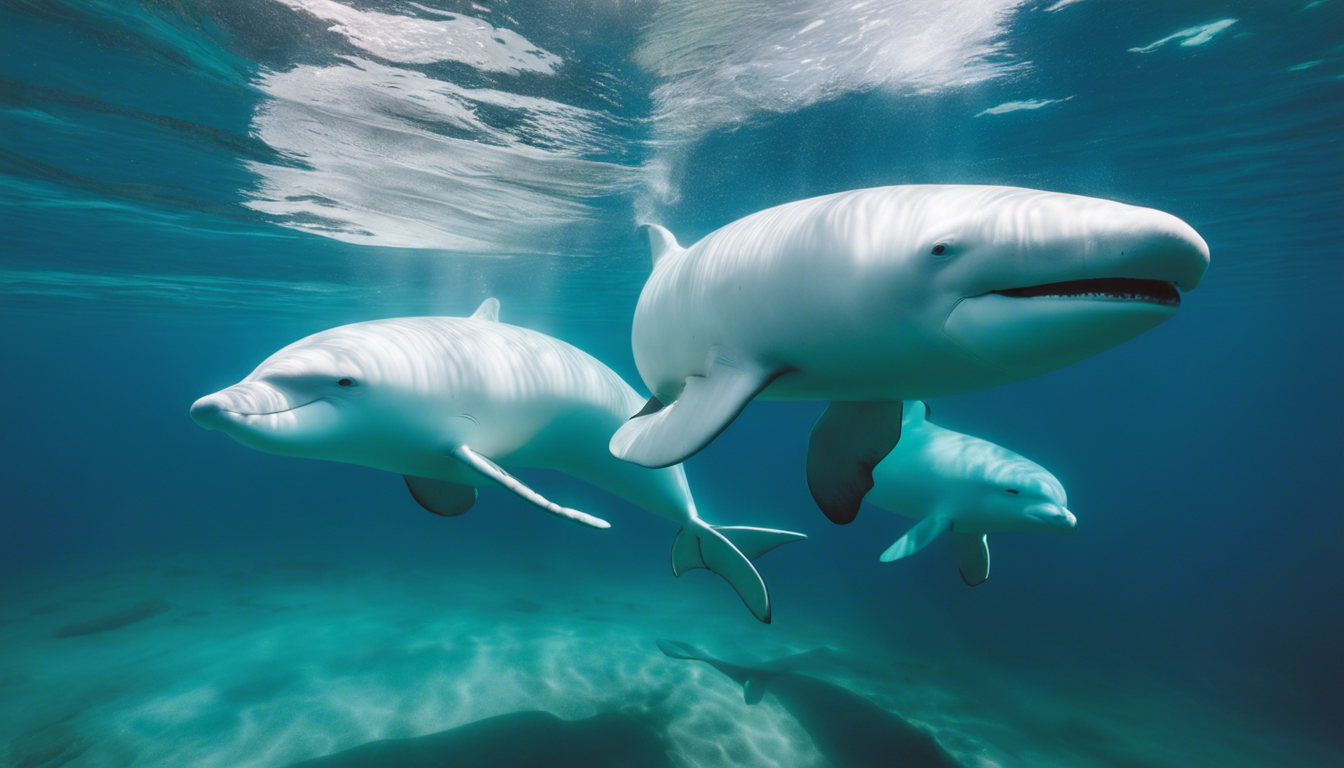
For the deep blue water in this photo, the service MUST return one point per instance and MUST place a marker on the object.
(185, 187)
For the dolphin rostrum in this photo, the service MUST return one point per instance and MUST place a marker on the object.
(965, 487)
(874, 296)
(450, 403)
(851, 731)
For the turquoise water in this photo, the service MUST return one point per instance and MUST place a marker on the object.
(188, 186)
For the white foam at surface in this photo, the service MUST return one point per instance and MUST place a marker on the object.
(720, 62)
(393, 157)
(410, 40)
(1193, 36)
(1017, 106)
(1060, 5)
(389, 155)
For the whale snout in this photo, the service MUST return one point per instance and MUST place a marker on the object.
(1160, 246)
(247, 398)
(208, 412)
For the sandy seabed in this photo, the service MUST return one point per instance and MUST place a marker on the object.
(250, 663)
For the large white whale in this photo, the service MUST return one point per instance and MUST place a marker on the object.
(449, 403)
(965, 487)
(871, 297)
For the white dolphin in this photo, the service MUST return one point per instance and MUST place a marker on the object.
(871, 297)
(966, 487)
(449, 402)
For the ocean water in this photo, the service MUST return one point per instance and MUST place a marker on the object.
(188, 185)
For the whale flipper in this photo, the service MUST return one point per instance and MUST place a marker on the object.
(717, 549)
(440, 496)
(496, 473)
(847, 441)
(919, 537)
(972, 557)
(707, 405)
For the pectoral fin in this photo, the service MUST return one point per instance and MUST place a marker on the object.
(440, 496)
(849, 440)
(661, 437)
(496, 473)
(916, 538)
(753, 690)
(972, 557)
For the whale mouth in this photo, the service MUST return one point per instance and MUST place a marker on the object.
(210, 413)
(1103, 289)
(269, 413)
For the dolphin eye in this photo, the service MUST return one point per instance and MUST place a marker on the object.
(1010, 490)
(346, 382)
(939, 249)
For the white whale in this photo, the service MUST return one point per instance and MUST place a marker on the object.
(965, 487)
(871, 297)
(449, 403)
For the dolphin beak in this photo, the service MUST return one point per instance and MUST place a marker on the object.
(1070, 521)
(1058, 519)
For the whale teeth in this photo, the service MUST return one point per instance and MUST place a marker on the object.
(1113, 288)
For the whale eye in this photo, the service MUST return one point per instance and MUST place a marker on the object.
(1010, 490)
(939, 249)
(347, 382)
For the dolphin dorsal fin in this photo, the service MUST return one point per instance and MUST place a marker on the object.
(661, 242)
(488, 311)
(916, 411)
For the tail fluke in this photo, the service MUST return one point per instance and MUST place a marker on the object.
(728, 551)
(675, 650)
(751, 679)
(754, 542)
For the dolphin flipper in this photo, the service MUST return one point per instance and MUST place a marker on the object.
(707, 405)
(440, 496)
(847, 441)
(918, 538)
(496, 473)
(972, 557)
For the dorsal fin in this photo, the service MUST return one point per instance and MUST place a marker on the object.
(661, 242)
(916, 411)
(488, 311)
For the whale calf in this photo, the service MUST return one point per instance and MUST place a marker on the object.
(851, 731)
(450, 403)
(965, 487)
(870, 297)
